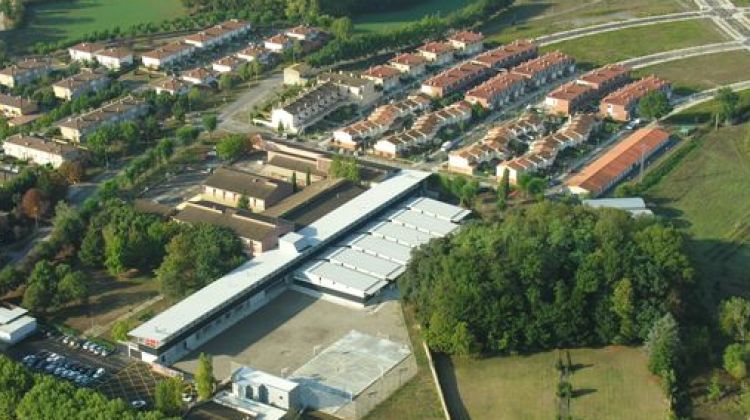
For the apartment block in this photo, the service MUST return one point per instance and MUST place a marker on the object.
(14, 106)
(77, 128)
(547, 68)
(167, 55)
(621, 104)
(437, 53)
(568, 98)
(308, 108)
(410, 64)
(81, 83)
(85, 51)
(115, 58)
(387, 77)
(454, 79)
(218, 34)
(497, 91)
(40, 151)
(467, 42)
(508, 55)
(24, 72)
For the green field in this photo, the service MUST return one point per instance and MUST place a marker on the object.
(611, 383)
(708, 196)
(65, 20)
(703, 72)
(609, 47)
(389, 20)
(532, 18)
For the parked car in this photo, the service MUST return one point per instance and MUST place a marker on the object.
(138, 404)
(99, 373)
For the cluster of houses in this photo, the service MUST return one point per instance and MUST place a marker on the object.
(330, 92)
(113, 58)
(86, 81)
(18, 110)
(76, 128)
(611, 83)
(24, 72)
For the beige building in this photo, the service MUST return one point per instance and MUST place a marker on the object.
(14, 106)
(198, 76)
(78, 84)
(115, 58)
(226, 186)
(167, 55)
(467, 42)
(171, 86)
(77, 128)
(40, 151)
(24, 72)
(299, 74)
(257, 232)
(410, 64)
(85, 51)
(437, 53)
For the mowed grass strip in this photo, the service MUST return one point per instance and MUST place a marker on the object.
(694, 74)
(389, 20)
(614, 46)
(65, 20)
(708, 196)
(611, 383)
(533, 18)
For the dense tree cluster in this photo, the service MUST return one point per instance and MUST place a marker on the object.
(550, 275)
(195, 257)
(344, 167)
(51, 286)
(232, 147)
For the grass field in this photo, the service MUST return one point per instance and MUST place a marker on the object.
(388, 20)
(628, 43)
(532, 18)
(64, 20)
(417, 399)
(708, 196)
(611, 383)
(703, 72)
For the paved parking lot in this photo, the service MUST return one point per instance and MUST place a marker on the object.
(135, 382)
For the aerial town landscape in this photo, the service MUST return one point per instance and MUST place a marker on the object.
(344, 209)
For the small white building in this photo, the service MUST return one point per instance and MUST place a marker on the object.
(115, 58)
(15, 324)
(278, 43)
(85, 51)
(40, 151)
(251, 384)
(226, 64)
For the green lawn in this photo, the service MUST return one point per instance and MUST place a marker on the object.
(708, 196)
(611, 383)
(532, 18)
(609, 47)
(389, 20)
(56, 21)
(703, 72)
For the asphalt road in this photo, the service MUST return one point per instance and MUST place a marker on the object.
(230, 118)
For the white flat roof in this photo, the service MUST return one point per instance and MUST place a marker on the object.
(629, 203)
(17, 324)
(338, 274)
(249, 376)
(366, 263)
(382, 248)
(9, 314)
(255, 272)
(422, 222)
(438, 209)
(401, 234)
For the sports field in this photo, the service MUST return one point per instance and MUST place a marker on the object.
(56, 21)
(389, 20)
(532, 18)
(609, 47)
(703, 72)
(712, 180)
(611, 383)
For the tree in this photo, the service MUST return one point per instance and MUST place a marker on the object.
(204, 377)
(622, 305)
(344, 167)
(294, 181)
(734, 318)
(210, 122)
(189, 264)
(91, 253)
(73, 171)
(34, 204)
(167, 396)
(342, 27)
(226, 82)
(232, 147)
(72, 287)
(654, 105)
(243, 203)
(308, 179)
(504, 187)
(41, 287)
(15, 381)
(194, 96)
(121, 328)
(735, 360)
(663, 345)
(727, 101)
(187, 134)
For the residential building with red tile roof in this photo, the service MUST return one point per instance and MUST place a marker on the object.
(115, 58)
(226, 64)
(454, 79)
(14, 106)
(437, 53)
(568, 98)
(303, 33)
(24, 72)
(172, 86)
(278, 43)
(218, 34)
(467, 42)
(198, 76)
(544, 69)
(606, 79)
(410, 64)
(255, 52)
(167, 55)
(621, 104)
(612, 167)
(387, 77)
(497, 91)
(80, 83)
(508, 55)
(85, 51)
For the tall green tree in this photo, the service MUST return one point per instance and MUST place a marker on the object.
(663, 345)
(204, 377)
(654, 105)
(727, 102)
(734, 318)
(167, 396)
(232, 147)
(210, 122)
(342, 27)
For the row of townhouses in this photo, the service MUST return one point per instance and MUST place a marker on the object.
(76, 128)
(113, 58)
